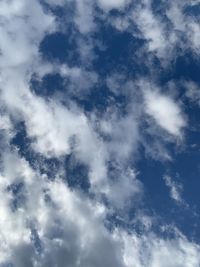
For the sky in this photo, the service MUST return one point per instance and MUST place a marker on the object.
(99, 133)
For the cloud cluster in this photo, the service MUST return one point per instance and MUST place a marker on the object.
(43, 221)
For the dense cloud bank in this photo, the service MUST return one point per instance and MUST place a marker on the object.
(87, 89)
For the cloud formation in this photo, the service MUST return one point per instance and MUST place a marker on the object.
(43, 220)
(165, 111)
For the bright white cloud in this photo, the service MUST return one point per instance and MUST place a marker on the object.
(21, 30)
(70, 229)
(164, 111)
(151, 251)
(112, 4)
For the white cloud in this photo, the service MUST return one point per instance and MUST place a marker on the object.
(174, 188)
(112, 4)
(71, 225)
(152, 30)
(163, 36)
(50, 125)
(164, 111)
(123, 189)
(122, 143)
(185, 24)
(192, 91)
(70, 229)
(84, 16)
(151, 251)
(56, 2)
(22, 28)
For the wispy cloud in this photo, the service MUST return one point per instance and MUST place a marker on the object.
(175, 189)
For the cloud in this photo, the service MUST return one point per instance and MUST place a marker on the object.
(185, 28)
(152, 30)
(70, 229)
(174, 188)
(43, 221)
(21, 25)
(84, 16)
(123, 189)
(68, 225)
(153, 251)
(192, 91)
(112, 4)
(56, 2)
(165, 112)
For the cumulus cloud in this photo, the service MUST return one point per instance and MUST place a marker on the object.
(164, 111)
(70, 229)
(21, 25)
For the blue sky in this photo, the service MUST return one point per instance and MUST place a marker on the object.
(99, 133)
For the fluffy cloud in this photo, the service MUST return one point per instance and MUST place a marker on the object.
(164, 111)
(22, 28)
(152, 251)
(62, 226)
